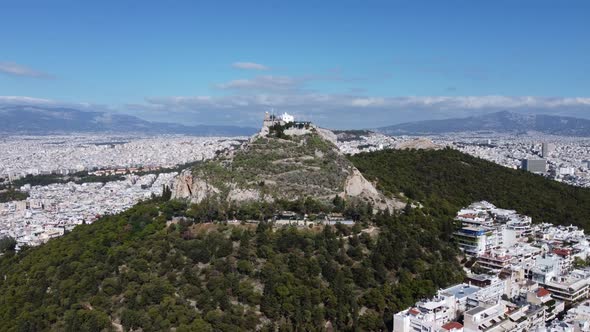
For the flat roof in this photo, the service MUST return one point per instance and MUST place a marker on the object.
(476, 310)
(481, 277)
(460, 291)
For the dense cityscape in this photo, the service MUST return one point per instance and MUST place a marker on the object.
(520, 277)
(50, 210)
(34, 155)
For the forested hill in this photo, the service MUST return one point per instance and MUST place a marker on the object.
(138, 270)
(162, 266)
(446, 180)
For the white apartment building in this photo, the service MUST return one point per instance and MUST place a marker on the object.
(476, 240)
(504, 317)
(577, 319)
(485, 228)
(447, 306)
(569, 288)
(427, 316)
(542, 297)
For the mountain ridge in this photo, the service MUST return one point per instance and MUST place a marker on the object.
(501, 122)
(24, 119)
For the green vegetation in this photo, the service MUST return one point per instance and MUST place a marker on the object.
(12, 195)
(47, 179)
(580, 263)
(290, 168)
(85, 177)
(36, 180)
(278, 131)
(98, 178)
(446, 180)
(7, 243)
(177, 169)
(134, 269)
(221, 210)
(366, 146)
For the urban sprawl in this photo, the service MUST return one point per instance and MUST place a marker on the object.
(51, 210)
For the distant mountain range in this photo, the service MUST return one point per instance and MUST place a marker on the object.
(501, 122)
(49, 120)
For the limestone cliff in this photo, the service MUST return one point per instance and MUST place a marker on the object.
(195, 189)
(357, 186)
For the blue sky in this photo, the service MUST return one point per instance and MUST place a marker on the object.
(340, 63)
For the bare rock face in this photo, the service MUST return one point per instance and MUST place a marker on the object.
(357, 186)
(183, 186)
(328, 135)
(419, 144)
(241, 195)
(195, 189)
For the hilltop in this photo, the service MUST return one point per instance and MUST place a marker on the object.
(500, 122)
(286, 161)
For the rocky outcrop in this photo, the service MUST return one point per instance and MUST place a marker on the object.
(242, 195)
(193, 188)
(418, 144)
(357, 186)
(328, 135)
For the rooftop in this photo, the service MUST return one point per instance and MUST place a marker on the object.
(460, 291)
(452, 325)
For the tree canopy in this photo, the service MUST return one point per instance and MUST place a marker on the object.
(142, 271)
(447, 180)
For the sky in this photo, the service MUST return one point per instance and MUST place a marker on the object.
(341, 64)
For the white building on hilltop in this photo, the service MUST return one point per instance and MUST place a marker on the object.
(287, 118)
(272, 119)
(290, 126)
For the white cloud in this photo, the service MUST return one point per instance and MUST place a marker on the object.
(23, 100)
(327, 101)
(14, 69)
(355, 111)
(250, 66)
(367, 102)
(263, 83)
(329, 110)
